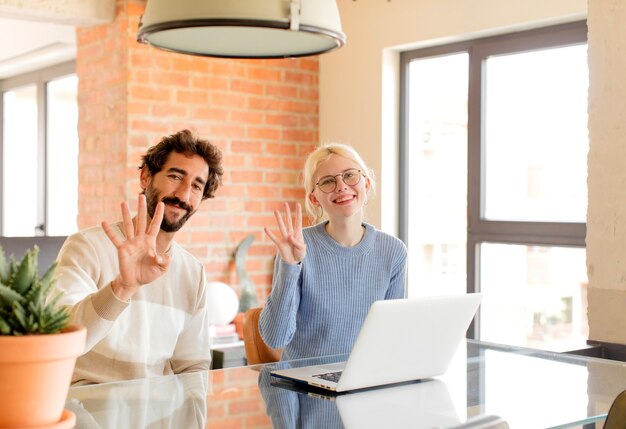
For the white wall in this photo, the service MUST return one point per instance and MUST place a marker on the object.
(359, 82)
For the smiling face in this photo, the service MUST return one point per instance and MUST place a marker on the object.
(346, 200)
(180, 185)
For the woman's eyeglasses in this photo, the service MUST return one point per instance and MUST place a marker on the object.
(328, 184)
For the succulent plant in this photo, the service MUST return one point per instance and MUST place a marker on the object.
(27, 304)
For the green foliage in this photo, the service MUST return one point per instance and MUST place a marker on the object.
(27, 304)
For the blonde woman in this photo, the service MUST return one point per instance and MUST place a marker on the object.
(327, 276)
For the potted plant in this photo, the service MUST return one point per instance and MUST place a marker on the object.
(38, 347)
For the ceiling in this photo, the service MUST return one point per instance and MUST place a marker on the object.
(36, 34)
(30, 45)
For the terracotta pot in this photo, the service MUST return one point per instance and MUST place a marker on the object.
(35, 376)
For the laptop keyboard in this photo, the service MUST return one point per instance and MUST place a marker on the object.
(329, 376)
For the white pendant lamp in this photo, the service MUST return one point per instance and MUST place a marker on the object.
(242, 28)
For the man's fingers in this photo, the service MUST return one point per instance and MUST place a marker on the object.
(141, 215)
(115, 238)
(129, 228)
(163, 260)
(155, 223)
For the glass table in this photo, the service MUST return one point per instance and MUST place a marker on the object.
(525, 388)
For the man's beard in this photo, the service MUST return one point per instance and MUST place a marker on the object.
(152, 199)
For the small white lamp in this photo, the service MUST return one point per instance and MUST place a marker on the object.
(242, 28)
(223, 303)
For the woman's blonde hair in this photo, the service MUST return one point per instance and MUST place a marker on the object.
(320, 155)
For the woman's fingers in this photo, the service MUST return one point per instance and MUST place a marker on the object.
(280, 223)
(271, 235)
(297, 244)
(289, 220)
(298, 219)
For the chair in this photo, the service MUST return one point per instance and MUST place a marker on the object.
(616, 418)
(256, 350)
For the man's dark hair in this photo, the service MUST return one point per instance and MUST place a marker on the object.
(184, 142)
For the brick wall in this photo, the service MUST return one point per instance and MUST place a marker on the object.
(234, 401)
(263, 114)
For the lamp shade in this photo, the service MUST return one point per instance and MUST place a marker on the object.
(242, 28)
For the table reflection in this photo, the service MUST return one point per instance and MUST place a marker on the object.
(425, 404)
(170, 402)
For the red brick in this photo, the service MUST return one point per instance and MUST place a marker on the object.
(292, 163)
(263, 133)
(263, 279)
(169, 78)
(141, 92)
(138, 108)
(310, 64)
(306, 149)
(263, 221)
(267, 162)
(259, 103)
(282, 177)
(228, 99)
(253, 206)
(233, 160)
(152, 126)
(165, 110)
(264, 74)
(246, 117)
(210, 113)
(210, 82)
(309, 94)
(187, 64)
(246, 86)
(224, 67)
(247, 176)
(300, 78)
(281, 148)
(258, 421)
(285, 120)
(283, 91)
(260, 191)
(230, 131)
(293, 193)
(191, 97)
(298, 136)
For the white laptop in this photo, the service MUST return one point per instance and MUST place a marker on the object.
(400, 340)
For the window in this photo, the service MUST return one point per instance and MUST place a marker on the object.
(39, 153)
(493, 180)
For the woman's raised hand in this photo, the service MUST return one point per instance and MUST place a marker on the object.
(289, 241)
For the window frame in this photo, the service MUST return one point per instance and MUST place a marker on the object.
(480, 230)
(40, 79)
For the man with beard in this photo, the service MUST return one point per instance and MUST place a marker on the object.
(140, 295)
